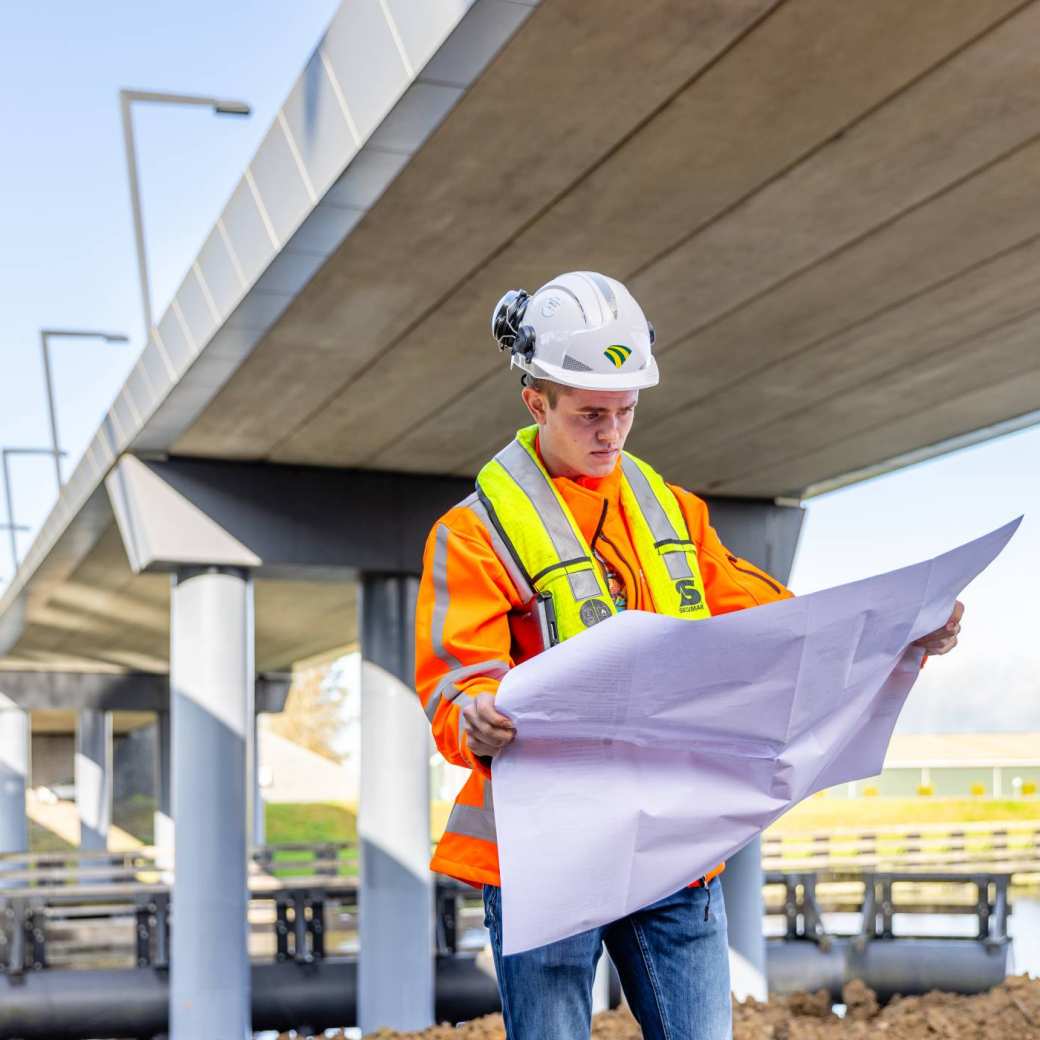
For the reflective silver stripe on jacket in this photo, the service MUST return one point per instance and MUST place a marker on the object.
(447, 689)
(518, 463)
(473, 822)
(441, 597)
(661, 528)
(677, 563)
(505, 557)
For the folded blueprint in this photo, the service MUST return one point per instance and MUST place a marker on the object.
(649, 749)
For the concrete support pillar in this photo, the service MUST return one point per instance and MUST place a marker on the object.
(601, 984)
(767, 535)
(396, 968)
(93, 777)
(14, 776)
(745, 908)
(163, 818)
(211, 680)
(259, 828)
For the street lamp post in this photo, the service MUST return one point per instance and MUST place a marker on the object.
(11, 527)
(46, 335)
(14, 529)
(126, 100)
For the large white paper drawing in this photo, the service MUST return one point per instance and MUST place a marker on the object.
(649, 749)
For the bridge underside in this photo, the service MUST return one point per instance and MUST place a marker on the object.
(828, 215)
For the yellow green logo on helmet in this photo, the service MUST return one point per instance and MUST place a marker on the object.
(617, 355)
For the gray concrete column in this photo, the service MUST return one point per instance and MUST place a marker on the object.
(766, 534)
(601, 984)
(163, 818)
(396, 968)
(742, 882)
(93, 777)
(259, 828)
(14, 775)
(210, 683)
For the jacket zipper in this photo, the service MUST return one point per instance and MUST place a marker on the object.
(592, 546)
(596, 537)
(754, 574)
(599, 526)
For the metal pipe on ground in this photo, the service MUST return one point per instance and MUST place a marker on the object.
(888, 966)
(132, 1002)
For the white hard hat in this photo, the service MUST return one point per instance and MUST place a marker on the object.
(582, 329)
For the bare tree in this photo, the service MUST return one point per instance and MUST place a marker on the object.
(313, 715)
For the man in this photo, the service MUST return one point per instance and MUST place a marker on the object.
(563, 531)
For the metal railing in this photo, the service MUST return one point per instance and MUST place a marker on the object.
(803, 899)
(143, 865)
(123, 925)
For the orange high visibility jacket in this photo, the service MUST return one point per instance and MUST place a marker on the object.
(472, 626)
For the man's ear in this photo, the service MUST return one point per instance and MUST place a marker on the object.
(536, 404)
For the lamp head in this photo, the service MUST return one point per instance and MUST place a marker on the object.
(231, 108)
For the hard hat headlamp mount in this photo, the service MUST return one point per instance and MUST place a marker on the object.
(511, 335)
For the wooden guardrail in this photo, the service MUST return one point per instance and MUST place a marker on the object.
(1006, 846)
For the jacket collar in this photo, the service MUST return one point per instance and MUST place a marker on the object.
(585, 495)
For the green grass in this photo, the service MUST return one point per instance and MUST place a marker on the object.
(43, 840)
(329, 821)
(309, 823)
(136, 815)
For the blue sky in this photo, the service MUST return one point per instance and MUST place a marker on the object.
(66, 259)
(66, 236)
(992, 680)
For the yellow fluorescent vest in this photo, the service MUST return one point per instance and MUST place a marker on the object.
(557, 563)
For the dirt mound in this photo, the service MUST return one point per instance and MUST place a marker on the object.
(1010, 1011)
(611, 1025)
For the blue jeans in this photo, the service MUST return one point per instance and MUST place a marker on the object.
(673, 964)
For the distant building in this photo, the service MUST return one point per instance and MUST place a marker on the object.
(955, 765)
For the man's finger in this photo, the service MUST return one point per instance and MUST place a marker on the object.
(488, 714)
(943, 646)
(478, 726)
(478, 747)
(486, 747)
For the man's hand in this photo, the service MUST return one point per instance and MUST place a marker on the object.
(487, 731)
(944, 639)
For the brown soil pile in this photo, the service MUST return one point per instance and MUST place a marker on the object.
(1010, 1011)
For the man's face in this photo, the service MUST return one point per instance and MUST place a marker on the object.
(584, 434)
